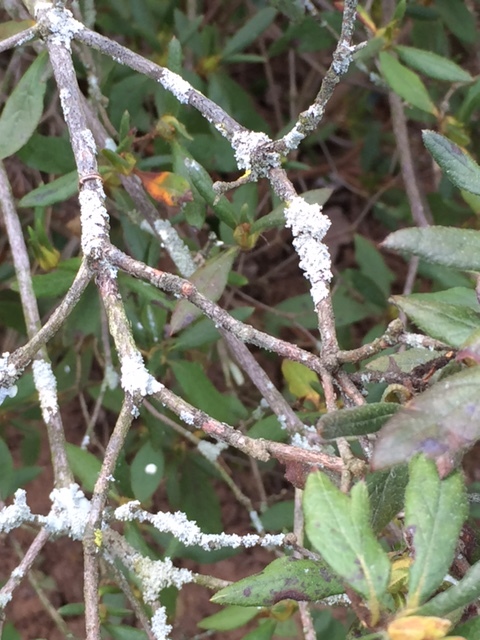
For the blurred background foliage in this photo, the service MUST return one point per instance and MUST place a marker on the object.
(263, 62)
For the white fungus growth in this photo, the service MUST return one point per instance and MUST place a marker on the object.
(309, 227)
(175, 84)
(248, 143)
(46, 385)
(160, 628)
(61, 23)
(189, 533)
(151, 469)
(187, 417)
(85, 442)
(94, 219)
(16, 514)
(69, 512)
(211, 450)
(135, 377)
(156, 575)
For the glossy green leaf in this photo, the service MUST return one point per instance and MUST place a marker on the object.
(284, 578)
(442, 423)
(85, 466)
(457, 248)
(356, 421)
(455, 597)
(23, 108)
(335, 521)
(387, 491)
(278, 517)
(460, 168)
(249, 32)
(146, 472)
(432, 65)
(124, 632)
(405, 83)
(56, 191)
(210, 280)
(450, 323)
(435, 511)
(229, 618)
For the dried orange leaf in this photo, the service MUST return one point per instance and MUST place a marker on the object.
(169, 188)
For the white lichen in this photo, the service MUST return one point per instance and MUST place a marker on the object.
(189, 533)
(156, 575)
(46, 385)
(16, 514)
(95, 223)
(160, 628)
(187, 417)
(135, 377)
(309, 227)
(175, 84)
(60, 22)
(69, 512)
(247, 147)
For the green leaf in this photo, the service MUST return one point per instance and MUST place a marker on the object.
(264, 631)
(404, 361)
(469, 630)
(432, 65)
(453, 161)
(200, 392)
(405, 83)
(249, 32)
(210, 280)
(455, 597)
(124, 632)
(336, 521)
(23, 108)
(435, 511)
(198, 498)
(450, 323)
(146, 472)
(387, 491)
(229, 618)
(458, 19)
(50, 154)
(441, 423)
(6, 465)
(284, 578)
(85, 466)
(457, 248)
(372, 264)
(57, 282)
(278, 517)
(56, 191)
(356, 421)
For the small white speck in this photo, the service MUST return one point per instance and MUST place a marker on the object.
(151, 469)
